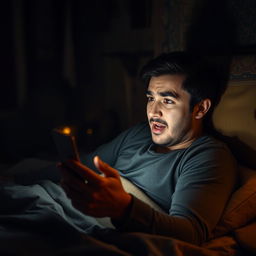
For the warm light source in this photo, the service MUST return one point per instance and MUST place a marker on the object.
(89, 131)
(66, 130)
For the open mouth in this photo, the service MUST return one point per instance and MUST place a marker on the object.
(158, 128)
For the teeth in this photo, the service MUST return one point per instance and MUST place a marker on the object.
(159, 126)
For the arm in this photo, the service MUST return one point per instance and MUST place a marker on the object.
(143, 218)
(105, 196)
(203, 188)
(191, 217)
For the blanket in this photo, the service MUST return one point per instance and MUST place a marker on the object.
(40, 220)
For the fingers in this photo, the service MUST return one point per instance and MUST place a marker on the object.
(105, 168)
(78, 200)
(91, 176)
(71, 180)
(84, 172)
(101, 196)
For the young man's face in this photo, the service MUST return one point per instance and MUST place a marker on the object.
(168, 112)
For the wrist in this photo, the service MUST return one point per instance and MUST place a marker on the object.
(125, 209)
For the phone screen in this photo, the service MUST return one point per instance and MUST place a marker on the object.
(66, 144)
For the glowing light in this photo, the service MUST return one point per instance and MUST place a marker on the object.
(89, 131)
(66, 130)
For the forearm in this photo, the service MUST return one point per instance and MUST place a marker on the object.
(143, 218)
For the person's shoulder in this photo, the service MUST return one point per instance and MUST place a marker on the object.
(208, 146)
(139, 129)
(211, 153)
(209, 142)
(138, 134)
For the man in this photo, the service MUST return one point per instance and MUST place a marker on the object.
(172, 159)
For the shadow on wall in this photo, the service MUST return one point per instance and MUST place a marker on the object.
(214, 33)
(213, 29)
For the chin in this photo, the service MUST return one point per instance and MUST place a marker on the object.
(164, 142)
(159, 141)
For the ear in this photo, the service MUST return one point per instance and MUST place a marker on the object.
(202, 108)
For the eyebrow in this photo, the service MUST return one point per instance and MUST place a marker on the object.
(165, 94)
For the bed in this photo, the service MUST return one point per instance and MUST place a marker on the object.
(22, 232)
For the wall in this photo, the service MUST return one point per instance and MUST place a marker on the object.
(76, 62)
(72, 63)
(213, 26)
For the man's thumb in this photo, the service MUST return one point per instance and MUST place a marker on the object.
(104, 167)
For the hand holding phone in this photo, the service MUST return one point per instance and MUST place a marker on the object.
(66, 144)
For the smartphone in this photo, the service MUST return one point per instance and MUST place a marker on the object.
(66, 144)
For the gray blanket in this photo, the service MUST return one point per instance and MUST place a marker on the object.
(38, 219)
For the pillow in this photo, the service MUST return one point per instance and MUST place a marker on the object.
(235, 118)
(241, 208)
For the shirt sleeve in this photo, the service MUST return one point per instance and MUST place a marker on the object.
(206, 180)
(143, 218)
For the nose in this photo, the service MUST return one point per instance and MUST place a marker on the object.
(154, 109)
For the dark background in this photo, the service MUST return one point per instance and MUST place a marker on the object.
(76, 62)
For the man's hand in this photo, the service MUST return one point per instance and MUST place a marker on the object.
(93, 194)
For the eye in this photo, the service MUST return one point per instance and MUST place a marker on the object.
(150, 98)
(168, 101)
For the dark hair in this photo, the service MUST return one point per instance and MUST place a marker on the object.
(203, 78)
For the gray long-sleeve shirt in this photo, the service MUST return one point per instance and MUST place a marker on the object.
(192, 185)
